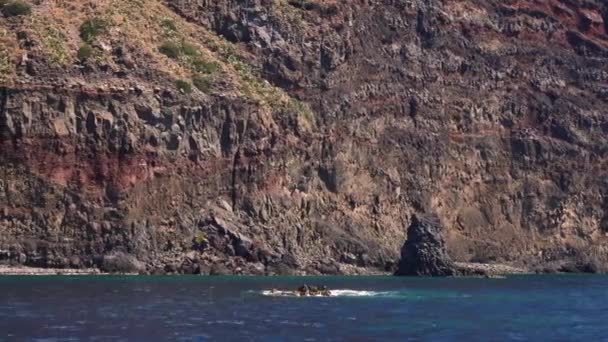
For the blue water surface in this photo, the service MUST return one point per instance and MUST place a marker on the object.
(141, 308)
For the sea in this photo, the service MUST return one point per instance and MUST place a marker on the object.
(383, 308)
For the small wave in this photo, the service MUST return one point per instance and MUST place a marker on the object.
(277, 293)
(334, 293)
(356, 293)
(302, 324)
(228, 322)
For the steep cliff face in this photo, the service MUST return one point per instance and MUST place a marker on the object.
(314, 130)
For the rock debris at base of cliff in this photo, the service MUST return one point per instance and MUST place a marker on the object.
(298, 137)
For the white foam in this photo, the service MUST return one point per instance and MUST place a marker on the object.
(355, 293)
(334, 293)
(278, 293)
(229, 322)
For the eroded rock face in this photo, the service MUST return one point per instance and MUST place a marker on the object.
(491, 114)
(425, 253)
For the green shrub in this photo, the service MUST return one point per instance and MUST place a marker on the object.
(170, 49)
(168, 25)
(85, 52)
(92, 28)
(189, 49)
(205, 67)
(15, 8)
(200, 241)
(6, 67)
(202, 83)
(183, 86)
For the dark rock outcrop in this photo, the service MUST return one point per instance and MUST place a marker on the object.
(425, 253)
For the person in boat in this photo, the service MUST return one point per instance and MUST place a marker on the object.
(306, 290)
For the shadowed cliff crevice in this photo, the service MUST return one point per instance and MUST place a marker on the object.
(4, 130)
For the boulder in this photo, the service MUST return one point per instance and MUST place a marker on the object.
(121, 263)
(219, 269)
(424, 253)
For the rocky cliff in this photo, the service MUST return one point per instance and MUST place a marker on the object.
(275, 136)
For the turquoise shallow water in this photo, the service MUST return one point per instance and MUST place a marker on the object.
(520, 308)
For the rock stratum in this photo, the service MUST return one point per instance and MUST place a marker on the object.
(274, 136)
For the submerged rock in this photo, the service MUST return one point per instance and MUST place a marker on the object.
(424, 253)
(303, 291)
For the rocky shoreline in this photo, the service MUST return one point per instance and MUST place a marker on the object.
(38, 271)
(424, 253)
(466, 269)
(34, 271)
(469, 268)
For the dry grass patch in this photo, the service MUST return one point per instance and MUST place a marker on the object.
(9, 51)
(67, 30)
(53, 40)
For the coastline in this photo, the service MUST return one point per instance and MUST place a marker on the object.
(6, 270)
(469, 269)
(465, 270)
(472, 269)
(39, 271)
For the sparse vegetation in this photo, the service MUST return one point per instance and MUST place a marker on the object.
(297, 106)
(196, 54)
(202, 83)
(15, 8)
(92, 28)
(168, 25)
(254, 86)
(174, 50)
(302, 110)
(189, 49)
(55, 42)
(170, 49)
(5, 65)
(200, 238)
(183, 86)
(85, 52)
(205, 67)
(200, 241)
